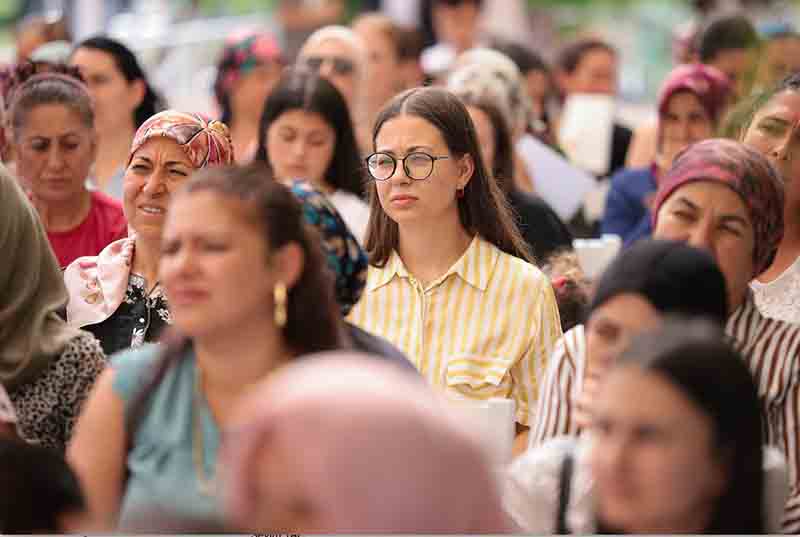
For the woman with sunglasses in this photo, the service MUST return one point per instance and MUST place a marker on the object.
(339, 55)
(449, 282)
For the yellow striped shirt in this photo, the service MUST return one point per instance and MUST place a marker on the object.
(484, 329)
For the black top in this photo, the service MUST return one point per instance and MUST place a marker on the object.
(140, 318)
(540, 225)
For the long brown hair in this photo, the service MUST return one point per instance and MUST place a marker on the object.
(484, 208)
(313, 322)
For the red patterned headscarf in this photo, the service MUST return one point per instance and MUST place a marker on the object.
(710, 85)
(747, 173)
(206, 142)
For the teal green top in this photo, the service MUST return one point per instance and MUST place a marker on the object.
(162, 477)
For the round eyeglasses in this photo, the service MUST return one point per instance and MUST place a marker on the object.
(418, 166)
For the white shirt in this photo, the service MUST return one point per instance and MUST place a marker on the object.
(354, 211)
(780, 298)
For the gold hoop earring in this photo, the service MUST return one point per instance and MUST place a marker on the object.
(281, 299)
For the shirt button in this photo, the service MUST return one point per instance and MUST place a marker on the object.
(141, 319)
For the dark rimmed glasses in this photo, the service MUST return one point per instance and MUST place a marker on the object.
(417, 165)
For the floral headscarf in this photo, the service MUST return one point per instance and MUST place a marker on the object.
(745, 171)
(243, 52)
(345, 257)
(206, 142)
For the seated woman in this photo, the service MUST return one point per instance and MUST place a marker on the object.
(306, 133)
(123, 100)
(449, 282)
(675, 447)
(248, 68)
(117, 295)
(385, 456)
(692, 101)
(771, 132)
(54, 143)
(249, 291)
(46, 366)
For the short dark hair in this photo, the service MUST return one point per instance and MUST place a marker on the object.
(696, 357)
(572, 55)
(128, 65)
(301, 89)
(735, 32)
(454, 3)
(39, 486)
(483, 209)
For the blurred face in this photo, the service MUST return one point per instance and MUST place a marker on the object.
(300, 145)
(613, 325)
(156, 171)
(456, 25)
(408, 201)
(734, 63)
(253, 88)
(653, 458)
(384, 71)
(337, 62)
(712, 216)
(684, 122)
(781, 57)
(485, 132)
(214, 266)
(595, 73)
(775, 133)
(115, 99)
(55, 151)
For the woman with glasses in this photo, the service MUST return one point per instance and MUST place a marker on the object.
(306, 133)
(449, 282)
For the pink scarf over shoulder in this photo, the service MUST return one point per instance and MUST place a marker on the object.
(97, 285)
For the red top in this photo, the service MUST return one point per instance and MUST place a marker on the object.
(104, 224)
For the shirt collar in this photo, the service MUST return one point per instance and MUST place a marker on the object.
(475, 267)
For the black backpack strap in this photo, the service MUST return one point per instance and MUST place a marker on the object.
(565, 486)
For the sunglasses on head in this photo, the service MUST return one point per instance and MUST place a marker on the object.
(341, 66)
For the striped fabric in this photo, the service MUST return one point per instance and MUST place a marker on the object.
(772, 351)
(484, 329)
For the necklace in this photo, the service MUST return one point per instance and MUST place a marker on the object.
(205, 483)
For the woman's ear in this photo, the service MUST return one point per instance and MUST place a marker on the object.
(138, 91)
(289, 262)
(466, 169)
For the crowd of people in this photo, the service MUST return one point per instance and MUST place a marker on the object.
(278, 318)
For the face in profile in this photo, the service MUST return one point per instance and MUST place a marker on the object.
(655, 462)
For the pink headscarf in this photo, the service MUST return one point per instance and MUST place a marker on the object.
(206, 142)
(710, 85)
(379, 452)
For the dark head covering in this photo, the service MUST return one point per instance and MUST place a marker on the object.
(673, 276)
(747, 173)
(345, 257)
